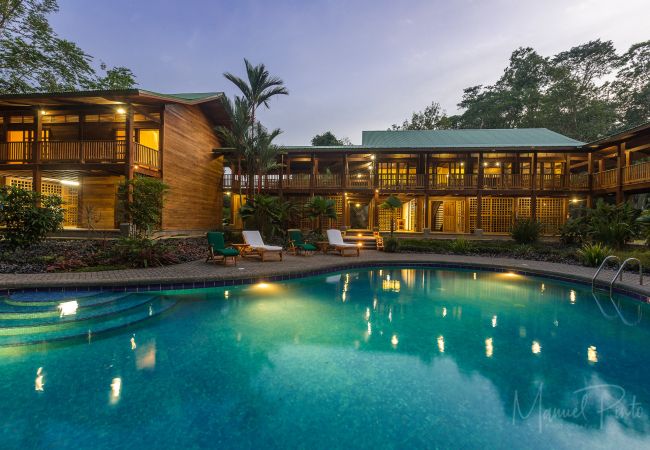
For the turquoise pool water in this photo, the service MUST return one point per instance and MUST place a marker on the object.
(391, 358)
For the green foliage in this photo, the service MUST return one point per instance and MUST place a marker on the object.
(34, 58)
(574, 231)
(613, 225)
(592, 255)
(328, 138)
(320, 208)
(142, 199)
(461, 246)
(567, 93)
(142, 252)
(267, 214)
(526, 231)
(27, 216)
(391, 245)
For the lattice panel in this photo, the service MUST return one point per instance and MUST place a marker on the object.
(70, 196)
(550, 213)
(523, 208)
(497, 214)
(21, 183)
(385, 214)
(338, 206)
(472, 214)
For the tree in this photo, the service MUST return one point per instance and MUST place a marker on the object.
(34, 58)
(257, 89)
(632, 85)
(142, 199)
(266, 152)
(392, 203)
(433, 117)
(28, 216)
(320, 208)
(328, 138)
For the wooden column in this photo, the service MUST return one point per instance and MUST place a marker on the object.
(80, 133)
(590, 180)
(130, 137)
(36, 151)
(426, 179)
(280, 181)
(619, 173)
(345, 211)
(567, 171)
(427, 220)
(312, 177)
(344, 171)
(375, 174)
(375, 211)
(533, 187)
(479, 193)
(161, 142)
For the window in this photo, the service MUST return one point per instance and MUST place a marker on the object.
(149, 138)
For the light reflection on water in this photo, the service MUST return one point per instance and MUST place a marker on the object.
(423, 358)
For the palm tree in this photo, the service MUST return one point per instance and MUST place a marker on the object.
(266, 152)
(391, 203)
(262, 213)
(258, 89)
(235, 136)
(319, 208)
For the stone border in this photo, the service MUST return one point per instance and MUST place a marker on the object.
(563, 272)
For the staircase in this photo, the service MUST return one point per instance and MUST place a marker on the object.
(33, 317)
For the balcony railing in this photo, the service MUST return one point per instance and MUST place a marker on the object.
(359, 181)
(606, 179)
(637, 173)
(80, 152)
(452, 182)
(579, 181)
(327, 180)
(401, 182)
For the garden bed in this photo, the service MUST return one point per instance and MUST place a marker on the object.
(83, 255)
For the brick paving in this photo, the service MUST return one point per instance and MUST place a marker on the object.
(198, 272)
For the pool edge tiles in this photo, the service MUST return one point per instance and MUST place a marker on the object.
(488, 266)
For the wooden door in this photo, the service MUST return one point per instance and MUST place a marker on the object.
(449, 216)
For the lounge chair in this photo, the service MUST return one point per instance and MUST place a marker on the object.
(336, 240)
(217, 248)
(297, 243)
(379, 241)
(257, 245)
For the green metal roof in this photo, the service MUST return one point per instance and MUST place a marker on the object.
(186, 96)
(480, 138)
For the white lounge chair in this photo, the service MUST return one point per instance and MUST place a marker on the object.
(257, 245)
(336, 240)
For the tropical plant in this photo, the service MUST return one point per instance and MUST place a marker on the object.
(262, 213)
(320, 208)
(461, 246)
(391, 245)
(140, 251)
(236, 135)
(526, 231)
(613, 225)
(392, 203)
(34, 58)
(142, 200)
(574, 231)
(592, 255)
(257, 90)
(266, 152)
(28, 216)
(644, 221)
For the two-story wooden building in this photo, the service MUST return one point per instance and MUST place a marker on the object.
(81, 145)
(459, 181)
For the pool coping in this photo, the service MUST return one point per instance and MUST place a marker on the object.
(560, 272)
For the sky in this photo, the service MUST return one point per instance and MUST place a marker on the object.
(349, 65)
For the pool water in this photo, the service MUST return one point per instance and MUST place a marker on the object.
(391, 358)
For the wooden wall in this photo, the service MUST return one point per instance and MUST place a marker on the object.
(193, 174)
(100, 194)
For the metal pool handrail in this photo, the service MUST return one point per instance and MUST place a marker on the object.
(602, 265)
(620, 273)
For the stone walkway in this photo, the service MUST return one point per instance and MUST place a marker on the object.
(199, 273)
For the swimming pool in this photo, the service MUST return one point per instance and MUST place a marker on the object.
(367, 358)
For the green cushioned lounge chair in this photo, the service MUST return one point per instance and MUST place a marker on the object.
(217, 249)
(297, 243)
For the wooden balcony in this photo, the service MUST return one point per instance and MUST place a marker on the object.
(113, 152)
(637, 173)
(452, 182)
(401, 182)
(606, 179)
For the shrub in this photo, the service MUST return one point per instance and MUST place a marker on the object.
(613, 225)
(526, 231)
(142, 252)
(592, 255)
(142, 200)
(391, 245)
(461, 246)
(574, 231)
(25, 221)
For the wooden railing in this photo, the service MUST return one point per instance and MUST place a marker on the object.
(637, 173)
(327, 180)
(452, 182)
(606, 179)
(296, 181)
(551, 182)
(359, 181)
(18, 152)
(146, 156)
(579, 181)
(401, 182)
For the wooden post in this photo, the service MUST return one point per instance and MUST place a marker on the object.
(426, 183)
(312, 180)
(590, 180)
(129, 136)
(161, 140)
(375, 211)
(567, 171)
(280, 181)
(36, 152)
(620, 149)
(479, 193)
(375, 173)
(344, 172)
(81, 131)
(427, 220)
(533, 185)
